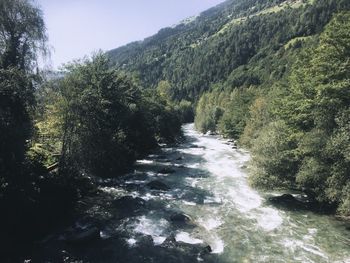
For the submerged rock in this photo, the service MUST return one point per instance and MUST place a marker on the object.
(199, 249)
(166, 170)
(129, 201)
(80, 235)
(207, 249)
(128, 205)
(158, 185)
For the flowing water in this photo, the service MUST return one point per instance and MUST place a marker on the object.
(208, 182)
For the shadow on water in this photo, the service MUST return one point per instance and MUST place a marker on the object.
(128, 203)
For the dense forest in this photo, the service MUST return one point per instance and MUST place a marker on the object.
(273, 74)
(57, 133)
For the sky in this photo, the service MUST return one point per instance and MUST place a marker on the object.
(77, 28)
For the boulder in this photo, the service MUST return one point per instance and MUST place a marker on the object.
(181, 218)
(288, 201)
(207, 250)
(170, 241)
(146, 240)
(158, 185)
(285, 198)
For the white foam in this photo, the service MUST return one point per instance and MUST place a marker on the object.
(192, 151)
(193, 181)
(212, 200)
(294, 244)
(269, 218)
(210, 223)
(312, 231)
(144, 161)
(113, 190)
(152, 227)
(131, 242)
(189, 203)
(217, 246)
(158, 240)
(135, 182)
(193, 166)
(148, 197)
(186, 238)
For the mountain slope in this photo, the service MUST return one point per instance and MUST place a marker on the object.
(193, 55)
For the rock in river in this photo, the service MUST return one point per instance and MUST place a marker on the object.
(288, 201)
(181, 218)
(128, 206)
(158, 185)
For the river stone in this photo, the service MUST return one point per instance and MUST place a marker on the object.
(128, 205)
(170, 242)
(181, 218)
(158, 185)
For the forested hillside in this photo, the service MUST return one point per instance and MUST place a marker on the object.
(219, 44)
(273, 74)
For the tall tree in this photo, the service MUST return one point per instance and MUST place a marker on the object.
(22, 34)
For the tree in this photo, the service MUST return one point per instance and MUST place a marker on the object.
(22, 34)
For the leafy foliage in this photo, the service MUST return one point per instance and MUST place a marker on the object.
(108, 122)
(315, 113)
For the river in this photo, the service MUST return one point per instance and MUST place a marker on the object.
(207, 181)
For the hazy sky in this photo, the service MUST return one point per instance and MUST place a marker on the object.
(79, 27)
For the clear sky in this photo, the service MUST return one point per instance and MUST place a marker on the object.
(79, 27)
